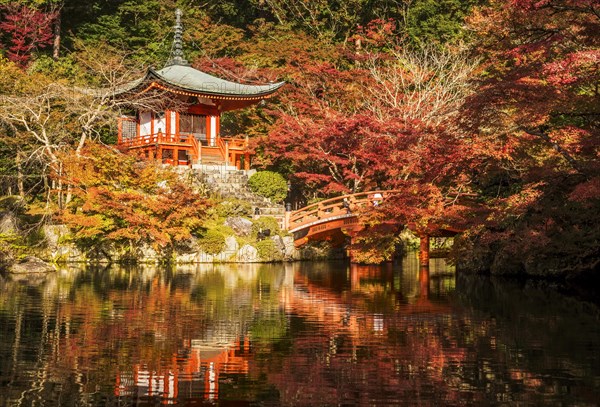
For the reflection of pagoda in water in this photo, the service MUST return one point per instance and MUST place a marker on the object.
(214, 354)
(372, 305)
(194, 372)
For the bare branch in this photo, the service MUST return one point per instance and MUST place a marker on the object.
(428, 84)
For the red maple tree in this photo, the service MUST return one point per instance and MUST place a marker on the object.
(25, 30)
(537, 120)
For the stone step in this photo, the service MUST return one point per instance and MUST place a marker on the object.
(233, 183)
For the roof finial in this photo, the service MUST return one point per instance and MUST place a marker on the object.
(177, 51)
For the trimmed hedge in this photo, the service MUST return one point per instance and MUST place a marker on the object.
(269, 184)
(213, 242)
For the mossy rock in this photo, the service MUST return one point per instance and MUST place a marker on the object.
(234, 208)
(268, 250)
(263, 223)
(31, 265)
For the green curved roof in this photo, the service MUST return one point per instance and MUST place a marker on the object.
(192, 80)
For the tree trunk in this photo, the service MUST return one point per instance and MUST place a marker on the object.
(57, 37)
(424, 250)
(59, 197)
(20, 187)
(82, 140)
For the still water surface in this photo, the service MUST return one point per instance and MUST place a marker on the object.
(304, 334)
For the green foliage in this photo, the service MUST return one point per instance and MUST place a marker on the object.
(234, 207)
(268, 251)
(65, 67)
(20, 230)
(135, 25)
(213, 242)
(269, 184)
(11, 248)
(269, 328)
(437, 21)
(263, 223)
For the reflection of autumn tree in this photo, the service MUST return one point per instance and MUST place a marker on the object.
(109, 321)
(337, 339)
(356, 354)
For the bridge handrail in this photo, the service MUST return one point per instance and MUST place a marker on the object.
(334, 207)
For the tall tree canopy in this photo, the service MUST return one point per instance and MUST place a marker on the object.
(483, 113)
(537, 110)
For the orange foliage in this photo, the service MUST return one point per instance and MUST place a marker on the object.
(127, 203)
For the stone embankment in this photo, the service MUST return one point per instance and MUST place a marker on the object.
(216, 180)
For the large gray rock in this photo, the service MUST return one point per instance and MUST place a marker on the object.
(186, 258)
(147, 254)
(8, 223)
(289, 251)
(278, 243)
(54, 235)
(248, 254)
(31, 265)
(241, 226)
(58, 248)
(231, 244)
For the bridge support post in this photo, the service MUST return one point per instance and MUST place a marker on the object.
(354, 277)
(424, 250)
(348, 249)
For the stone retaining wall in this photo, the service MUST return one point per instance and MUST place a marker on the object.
(58, 250)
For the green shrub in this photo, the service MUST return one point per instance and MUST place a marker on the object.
(265, 222)
(213, 242)
(269, 184)
(234, 207)
(268, 251)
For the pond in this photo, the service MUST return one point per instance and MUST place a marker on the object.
(299, 334)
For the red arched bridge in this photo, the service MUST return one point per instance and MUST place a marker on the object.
(336, 218)
(329, 219)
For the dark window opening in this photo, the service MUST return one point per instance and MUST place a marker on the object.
(167, 155)
(128, 128)
(193, 124)
(183, 156)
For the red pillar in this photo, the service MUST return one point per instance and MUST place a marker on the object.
(424, 282)
(424, 251)
(348, 249)
(354, 277)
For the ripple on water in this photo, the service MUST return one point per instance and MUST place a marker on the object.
(296, 334)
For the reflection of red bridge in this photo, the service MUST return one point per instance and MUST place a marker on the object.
(365, 341)
(336, 218)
